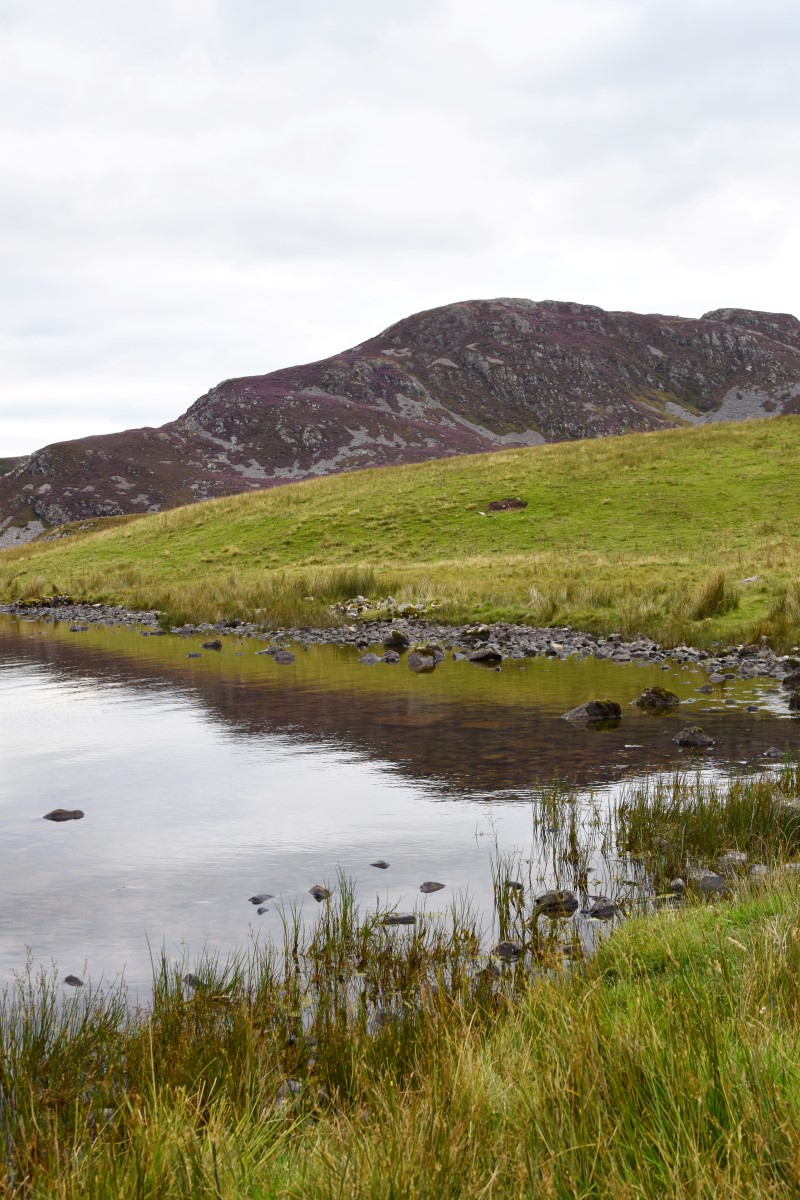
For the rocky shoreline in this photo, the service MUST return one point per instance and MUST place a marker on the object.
(472, 641)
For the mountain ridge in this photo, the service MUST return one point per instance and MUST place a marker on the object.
(461, 378)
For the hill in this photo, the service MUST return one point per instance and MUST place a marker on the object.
(460, 379)
(652, 532)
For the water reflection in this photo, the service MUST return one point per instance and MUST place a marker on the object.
(207, 780)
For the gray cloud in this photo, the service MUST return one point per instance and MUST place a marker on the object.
(194, 189)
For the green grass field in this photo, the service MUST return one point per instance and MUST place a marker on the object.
(647, 532)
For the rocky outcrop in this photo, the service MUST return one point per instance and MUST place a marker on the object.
(459, 379)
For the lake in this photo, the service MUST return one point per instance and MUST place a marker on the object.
(207, 780)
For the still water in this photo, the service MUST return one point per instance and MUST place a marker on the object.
(207, 780)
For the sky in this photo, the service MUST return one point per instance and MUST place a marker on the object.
(192, 190)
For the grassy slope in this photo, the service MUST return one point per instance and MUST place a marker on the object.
(669, 1068)
(618, 532)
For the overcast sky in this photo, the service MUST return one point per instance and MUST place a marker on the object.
(196, 189)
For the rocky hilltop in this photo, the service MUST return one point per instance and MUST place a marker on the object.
(459, 379)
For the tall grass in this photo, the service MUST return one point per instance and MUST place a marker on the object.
(359, 1059)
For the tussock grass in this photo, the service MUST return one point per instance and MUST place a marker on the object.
(644, 533)
(356, 1060)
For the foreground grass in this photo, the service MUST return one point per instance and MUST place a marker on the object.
(648, 532)
(353, 1062)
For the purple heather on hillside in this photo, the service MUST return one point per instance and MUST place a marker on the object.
(463, 378)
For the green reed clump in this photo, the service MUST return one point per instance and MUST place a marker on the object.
(680, 820)
(717, 596)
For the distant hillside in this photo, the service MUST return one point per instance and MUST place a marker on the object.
(462, 378)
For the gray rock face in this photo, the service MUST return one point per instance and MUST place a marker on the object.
(731, 861)
(707, 882)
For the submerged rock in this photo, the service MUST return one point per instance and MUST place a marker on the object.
(421, 662)
(215, 645)
(319, 892)
(602, 909)
(693, 738)
(369, 660)
(261, 898)
(657, 699)
(390, 657)
(64, 814)
(595, 712)
(73, 981)
(399, 919)
(558, 903)
(283, 657)
(507, 950)
(431, 886)
(381, 864)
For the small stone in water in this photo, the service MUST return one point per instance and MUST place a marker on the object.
(381, 864)
(507, 950)
(261, 898)
(602, 909)
(64, 814)
(194, 654)
(431, 886)
(515, 884)
(73, 981)
(557, 904)
(399, 919)
(262, 909)
(215, 645)
(191, 981)
(319, 893)
(694, 738)
(283, 657)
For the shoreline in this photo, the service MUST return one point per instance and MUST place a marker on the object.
(511, 641)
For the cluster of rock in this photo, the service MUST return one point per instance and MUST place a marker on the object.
(426, 643)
